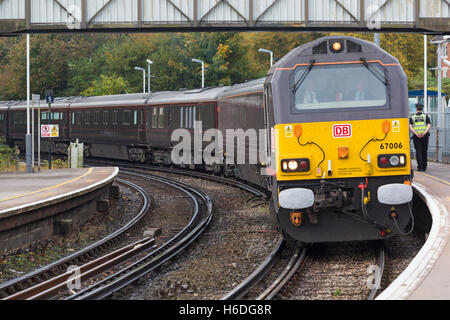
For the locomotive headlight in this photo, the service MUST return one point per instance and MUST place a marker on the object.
(337, 46)
(293, 165)
(391, 160)
(394, 161)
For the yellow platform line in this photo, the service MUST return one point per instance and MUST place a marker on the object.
(49, 188)
(435, 178)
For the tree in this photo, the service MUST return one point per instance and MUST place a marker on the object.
(107, 85)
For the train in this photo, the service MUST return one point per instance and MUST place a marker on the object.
(333, 117)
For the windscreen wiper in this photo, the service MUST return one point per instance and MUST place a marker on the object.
(377, 74)
(303, 76)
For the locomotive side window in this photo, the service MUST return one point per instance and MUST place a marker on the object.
(339, 86)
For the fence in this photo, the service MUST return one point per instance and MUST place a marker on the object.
(439, 143)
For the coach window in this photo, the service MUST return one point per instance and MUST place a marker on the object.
(141, 117)
(56, 116)
(161, 118)
(87, 118)
(73, 117)
(19, 118)
(79, 115)
(135, 117)
(115, 117)
(44, 115)
(96, 113)
(127, 117)
(181, 117)
(105, 117)
(155, 117)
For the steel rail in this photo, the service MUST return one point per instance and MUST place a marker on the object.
(245, 286)
(58, 267)
(175, 245)
(381, 261)
(294, 263)
(51, 287)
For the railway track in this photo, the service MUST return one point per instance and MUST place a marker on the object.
(202, 215)
(51, 285)
(297, 256)
(60, 266)
(298, 253)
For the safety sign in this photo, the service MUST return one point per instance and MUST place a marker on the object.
(49, 131)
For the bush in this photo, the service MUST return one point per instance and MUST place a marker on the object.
(7, 158)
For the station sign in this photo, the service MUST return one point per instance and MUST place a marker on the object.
(50, 131)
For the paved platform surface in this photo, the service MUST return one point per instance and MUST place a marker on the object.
(428, 275)
(21, 192)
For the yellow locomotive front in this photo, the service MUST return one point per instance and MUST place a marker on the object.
(340, 142)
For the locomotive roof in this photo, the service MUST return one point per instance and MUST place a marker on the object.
(304, 53)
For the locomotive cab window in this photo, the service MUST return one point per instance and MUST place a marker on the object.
(339, 86)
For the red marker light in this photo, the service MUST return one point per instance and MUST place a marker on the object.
(384, 161)
(304, 165)
(382, 233)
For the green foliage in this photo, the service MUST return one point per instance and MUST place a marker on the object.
(106, 85)
(7, 157)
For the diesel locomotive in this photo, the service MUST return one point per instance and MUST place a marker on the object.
(336, 153)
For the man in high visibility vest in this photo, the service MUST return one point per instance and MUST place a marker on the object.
(420, 124)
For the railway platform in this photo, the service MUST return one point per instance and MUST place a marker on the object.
(36, 206)
(428, 276)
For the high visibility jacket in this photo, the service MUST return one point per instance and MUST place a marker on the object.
(419, 122)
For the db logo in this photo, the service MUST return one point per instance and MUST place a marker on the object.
(342, 130)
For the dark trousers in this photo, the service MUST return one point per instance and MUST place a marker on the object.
(421, 146)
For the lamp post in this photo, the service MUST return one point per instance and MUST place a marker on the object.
(149, 62)
(203, 70)
(269, 52)
(143, 78)
(28, 142)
